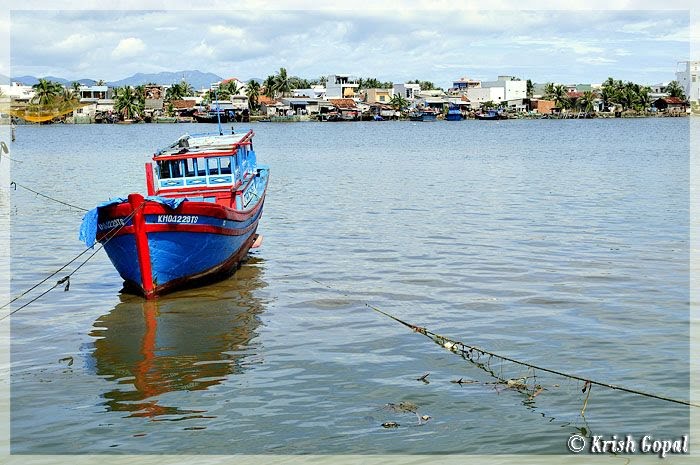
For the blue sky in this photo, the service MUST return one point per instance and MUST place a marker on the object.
(400, 42)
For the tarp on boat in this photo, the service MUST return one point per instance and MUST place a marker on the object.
(88, 227)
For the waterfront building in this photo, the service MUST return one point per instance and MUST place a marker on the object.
(513, 88)
(316, 91)
(460, 86)
(670, 105)
(340, 86)
(479, 95)
(541, 106)
(687, 75)
(17, 91)
(94, 93)
(407, 91)
(303, 105)
(378, 95)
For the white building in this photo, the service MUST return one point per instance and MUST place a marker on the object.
(687, 76)
(480, 95)
(341, 86)
(513, 89)
(407, 91)
(17, 91)
(315, 91)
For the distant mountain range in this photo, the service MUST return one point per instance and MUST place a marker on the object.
(196, 79)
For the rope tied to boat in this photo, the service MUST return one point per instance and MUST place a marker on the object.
(65, 281)
(14, 185)
(474, 354)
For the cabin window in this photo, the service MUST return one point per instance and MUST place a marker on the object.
(189, 167)
(170, 169)
(163, 170)
(213, 165)
(225, 163)
(201, 167)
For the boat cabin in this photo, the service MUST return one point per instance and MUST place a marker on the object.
(204, 167)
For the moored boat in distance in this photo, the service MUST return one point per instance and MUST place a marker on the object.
(490, 115)
(198, 222)
(453, 114)
(426, 114)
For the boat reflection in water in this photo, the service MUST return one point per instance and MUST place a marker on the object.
(189, 341)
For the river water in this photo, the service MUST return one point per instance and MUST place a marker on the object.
(561, 243)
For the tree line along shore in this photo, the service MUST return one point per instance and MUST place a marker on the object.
(275, 99)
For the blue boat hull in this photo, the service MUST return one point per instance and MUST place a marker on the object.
(158, 248)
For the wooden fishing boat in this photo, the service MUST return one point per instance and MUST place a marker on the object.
(423, 115)
(205, 199)
(453, 114)
(490, 115)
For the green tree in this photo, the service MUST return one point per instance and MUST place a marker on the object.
(561, 97)
(46, 91)
(228, 89)
(549, 91)
(127, 103)
(674, 89)
(282, 82)
(253, 93)
(585, 102)
(644, 99)
(269, 87)
(174, 92)
(398, 102)
(530, 89)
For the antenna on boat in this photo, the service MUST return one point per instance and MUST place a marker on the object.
(215, 88)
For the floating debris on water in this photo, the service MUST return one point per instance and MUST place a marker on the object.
(461, 381)
(390, 424)
(402, 407)
(424, 378)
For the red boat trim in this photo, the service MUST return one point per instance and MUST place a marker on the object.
(142, 251)
(197, 228)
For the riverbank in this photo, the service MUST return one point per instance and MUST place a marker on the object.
(315, 118)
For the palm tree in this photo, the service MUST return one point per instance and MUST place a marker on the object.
(644, 99)
(46, 91)
(674, 89)
(269, 85)
(127, 103)
(398, 102)
(549, 91)
(530, 89)
(187, 89)
(174, 92)
(228, 89)
(282, 84)
(253, 93)
(561, 98)
(585, 102)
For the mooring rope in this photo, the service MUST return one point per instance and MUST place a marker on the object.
(467, 352)
(66, 279)
(16, 184)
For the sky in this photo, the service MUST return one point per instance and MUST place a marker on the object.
(437, 44)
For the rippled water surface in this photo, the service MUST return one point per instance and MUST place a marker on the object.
(562, 243)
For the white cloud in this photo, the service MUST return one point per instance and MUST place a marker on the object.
(129, 47)
(75, 42)
(203, 50)
(235, 32)
(595, 60)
